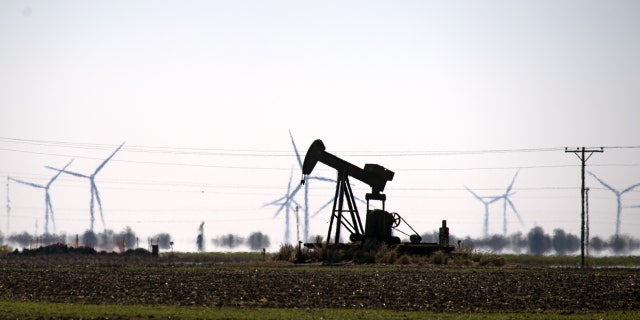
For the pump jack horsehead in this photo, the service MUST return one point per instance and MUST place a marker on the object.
(379, 223)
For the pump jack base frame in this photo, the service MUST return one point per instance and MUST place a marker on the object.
(421, 249)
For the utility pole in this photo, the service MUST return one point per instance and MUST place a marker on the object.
(582, 155)
(587, 236)
(297, 225)
(8, 207)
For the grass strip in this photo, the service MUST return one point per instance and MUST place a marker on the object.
(44, 310)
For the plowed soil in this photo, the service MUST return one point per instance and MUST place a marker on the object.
(148, 281)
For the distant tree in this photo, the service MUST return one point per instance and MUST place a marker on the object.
(89, 239)
(618, 244)
(434, 237)
(1, 238)
(497, 242)
(468, 242)
(559, 241)
(453, 240)
(258, 240)
(573, 243)
(48, 238)
(106, 239)
(228, 241)
(21, 239)
(430, 236)
(518, 242)
(597, 244)
(539, 242)
(164, 240)
(633, 244)
(129, 237)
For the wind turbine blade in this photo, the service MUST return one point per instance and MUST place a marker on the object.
(513, 207)
(512, 181)
(95, 190)
(603, 183)
(107, 160)
(358, 199)
(58, 174)
(474, 194)
(275, 202)
(295, 149)
(283, 201)
(630, 188)
(80, 175)
(494, 199)
(292, 194)
(289, 198)
(282, 206)
(297, 204)
(27, 183)
(321, 179)
(290, 179)
(322, 208)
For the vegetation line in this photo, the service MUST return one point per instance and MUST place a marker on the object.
(46, 310)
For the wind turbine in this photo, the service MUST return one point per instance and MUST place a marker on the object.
(48, 207)
(618, 196)
(95, 195)
(506, 199)
(306, 189)
(487, 201)
(285, 202)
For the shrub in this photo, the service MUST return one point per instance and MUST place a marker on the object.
(384, 254)
(404, 259)
(439, 257)
(491, 260)
(287, 252)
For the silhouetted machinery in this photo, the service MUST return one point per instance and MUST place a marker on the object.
(380, 223)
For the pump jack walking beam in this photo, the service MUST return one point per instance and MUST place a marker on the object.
(374, 175)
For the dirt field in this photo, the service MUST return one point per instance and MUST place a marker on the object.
(149, 281)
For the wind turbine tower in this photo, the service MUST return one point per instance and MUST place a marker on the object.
(486, 201)
(506, 199)
(95, 195)
(48, 207)
(618, 196)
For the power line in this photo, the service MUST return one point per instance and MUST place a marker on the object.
(279, 153)
(196, 165)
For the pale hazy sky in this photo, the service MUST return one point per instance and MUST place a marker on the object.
(387, 82)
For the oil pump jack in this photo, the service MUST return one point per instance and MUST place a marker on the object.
(380, 223)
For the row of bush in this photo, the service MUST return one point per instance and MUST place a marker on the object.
(65, 249)
(383, 254)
